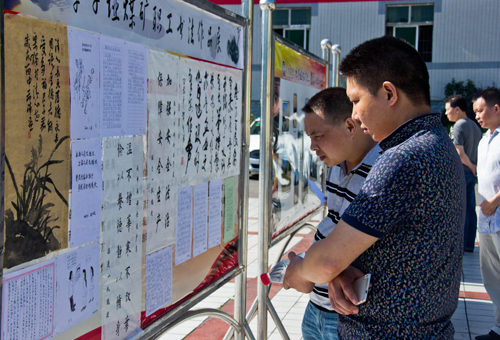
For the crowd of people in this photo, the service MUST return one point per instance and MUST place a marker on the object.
(401, 201)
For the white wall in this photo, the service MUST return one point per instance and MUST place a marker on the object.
(465, 37)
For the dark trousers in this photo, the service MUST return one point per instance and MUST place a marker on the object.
(470, 215)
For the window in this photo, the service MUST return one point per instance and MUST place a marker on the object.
(293, 24)
(412, 23)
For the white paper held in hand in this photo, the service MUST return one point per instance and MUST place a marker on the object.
(277, 273)
(317, 191)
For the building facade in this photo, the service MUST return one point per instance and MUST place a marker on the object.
(458, 39)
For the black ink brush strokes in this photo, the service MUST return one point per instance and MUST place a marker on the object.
(28, 235)
(232, 50)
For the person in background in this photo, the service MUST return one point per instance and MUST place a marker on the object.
(465, 134)
(487, 109)
(349, 153)
(405, 226)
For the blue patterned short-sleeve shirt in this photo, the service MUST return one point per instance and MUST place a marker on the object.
(413, 200)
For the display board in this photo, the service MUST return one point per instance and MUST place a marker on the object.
(298, 75)
(123, 143)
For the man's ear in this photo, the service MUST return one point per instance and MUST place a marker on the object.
(351, 125)
(390, 92)
(496, 108)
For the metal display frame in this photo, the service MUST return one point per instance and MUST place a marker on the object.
(303, 220)
(262, 303)
(181, 312)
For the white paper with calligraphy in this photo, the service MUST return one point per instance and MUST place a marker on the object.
(200, 218)
(77, 277)
(84, 83)
(121, 236)
(184, 231)
(123, 74)
(171, 25)
(215, 213)
(86, 191)
(163, 148)
(211, 121)
(28, 302)
(158, 279)
(135, 100)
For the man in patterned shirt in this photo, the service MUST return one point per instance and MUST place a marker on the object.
(405, 226)
(341, 144)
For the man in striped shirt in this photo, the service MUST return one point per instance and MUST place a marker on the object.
(341, 144)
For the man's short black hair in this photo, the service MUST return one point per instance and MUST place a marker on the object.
(457, 101)
(333, 103)
(491, 96)
(388, 59)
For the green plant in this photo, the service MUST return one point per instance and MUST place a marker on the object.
(29, 234)
(466, 89)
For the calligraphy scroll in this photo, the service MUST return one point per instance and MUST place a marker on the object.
(122, 236)
(164, 148)
(37, 148)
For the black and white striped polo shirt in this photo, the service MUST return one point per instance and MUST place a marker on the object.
(341, 189)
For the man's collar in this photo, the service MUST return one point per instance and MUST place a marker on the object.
(494, 133)
(375, 149)
(406, 130)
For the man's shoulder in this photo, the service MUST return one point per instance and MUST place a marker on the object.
(422, 149)
(460, 126)
(467, 123)
(372, 155)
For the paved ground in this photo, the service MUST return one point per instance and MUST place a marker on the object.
(474, 315)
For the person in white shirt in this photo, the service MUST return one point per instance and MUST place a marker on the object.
(487, 109)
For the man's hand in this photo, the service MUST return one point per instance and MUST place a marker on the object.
(474, 169)
(488, 207)
(340, 287)
(465, 159)
(293, 276)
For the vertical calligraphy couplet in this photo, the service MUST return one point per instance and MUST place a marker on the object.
(28, 300)
(37, 130)
(86, 191)
(184, 229)
(84, 84)
(163, 155)
(122, 236)
(158, 279)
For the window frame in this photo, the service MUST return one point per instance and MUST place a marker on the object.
(290, 27)
(407, 26)
(409, 23)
